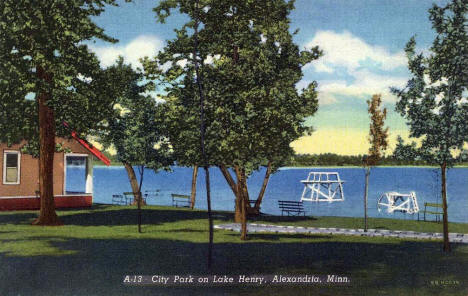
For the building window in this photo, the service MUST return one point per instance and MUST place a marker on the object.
(75, 173)
(11, 167)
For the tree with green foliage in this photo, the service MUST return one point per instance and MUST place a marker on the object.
(135, 129)
(250, 67)
(434, 101)
(378, 135)
(48, 76)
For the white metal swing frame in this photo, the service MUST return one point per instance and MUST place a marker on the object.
(323, 186)
(398, 202)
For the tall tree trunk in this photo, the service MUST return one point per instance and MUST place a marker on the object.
(199, 81)
(235, 189)
(366, 191)
(194, 186)
(258, 202)
(210, 217)
(141, 170)
(47, 215)
(133, 182)
(447, 247)
(242, 190)
(238, 208)
(242, 200)
(228, 178)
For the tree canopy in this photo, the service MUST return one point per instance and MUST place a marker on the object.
(48, 76)
(250, 67)
(136, 127)
(434, 101)
(47, 36)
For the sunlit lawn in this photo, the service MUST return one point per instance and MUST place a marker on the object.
(95, 249)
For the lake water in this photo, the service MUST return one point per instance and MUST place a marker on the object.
(285, 185)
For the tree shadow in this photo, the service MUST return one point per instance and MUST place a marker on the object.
(95, 206)
(127, 216)
(14, 217)
(98, 266)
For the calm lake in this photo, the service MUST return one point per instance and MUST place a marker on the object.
(285, 185)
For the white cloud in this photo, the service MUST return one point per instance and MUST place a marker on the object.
(346, 55)
(144, 45)
(346, 50)
(364, 86)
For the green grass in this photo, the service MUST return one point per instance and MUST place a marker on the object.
(96, 247)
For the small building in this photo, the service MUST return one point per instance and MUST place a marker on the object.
(73, 176)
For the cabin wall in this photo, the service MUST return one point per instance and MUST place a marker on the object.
(29, 171)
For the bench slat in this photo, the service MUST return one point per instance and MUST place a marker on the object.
(434, 205)
(181, 200)
(289, 206)
(435, 213)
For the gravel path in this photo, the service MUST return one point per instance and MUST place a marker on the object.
(253, 227)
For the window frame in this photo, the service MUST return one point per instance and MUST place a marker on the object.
(18, 178)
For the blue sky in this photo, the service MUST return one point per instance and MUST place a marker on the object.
(363, 41)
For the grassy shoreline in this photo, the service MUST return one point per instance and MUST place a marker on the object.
(96, 247)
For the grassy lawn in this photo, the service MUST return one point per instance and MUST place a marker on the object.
(95, 249)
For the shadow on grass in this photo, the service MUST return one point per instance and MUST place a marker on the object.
(95, 206)
(116, 217)
(14, 217)
(98, 266)
(113, 217)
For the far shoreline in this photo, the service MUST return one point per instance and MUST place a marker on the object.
(98, 164)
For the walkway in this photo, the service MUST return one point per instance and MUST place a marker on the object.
(252, 227)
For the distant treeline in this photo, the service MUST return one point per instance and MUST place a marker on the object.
(325, 159)
(331, 159)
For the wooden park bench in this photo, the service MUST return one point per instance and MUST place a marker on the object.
(294, 207)
(437, 210)
(180, 200)
(151, 193)
(119, 199)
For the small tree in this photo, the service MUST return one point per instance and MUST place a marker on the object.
(136, 128)
(434, 101)
(378, 135)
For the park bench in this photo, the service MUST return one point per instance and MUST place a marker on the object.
(118, 199)
(180, 200)
(436, 210)
(151, 193)
(294, 207)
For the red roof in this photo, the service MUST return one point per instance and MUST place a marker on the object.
(89, 147)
